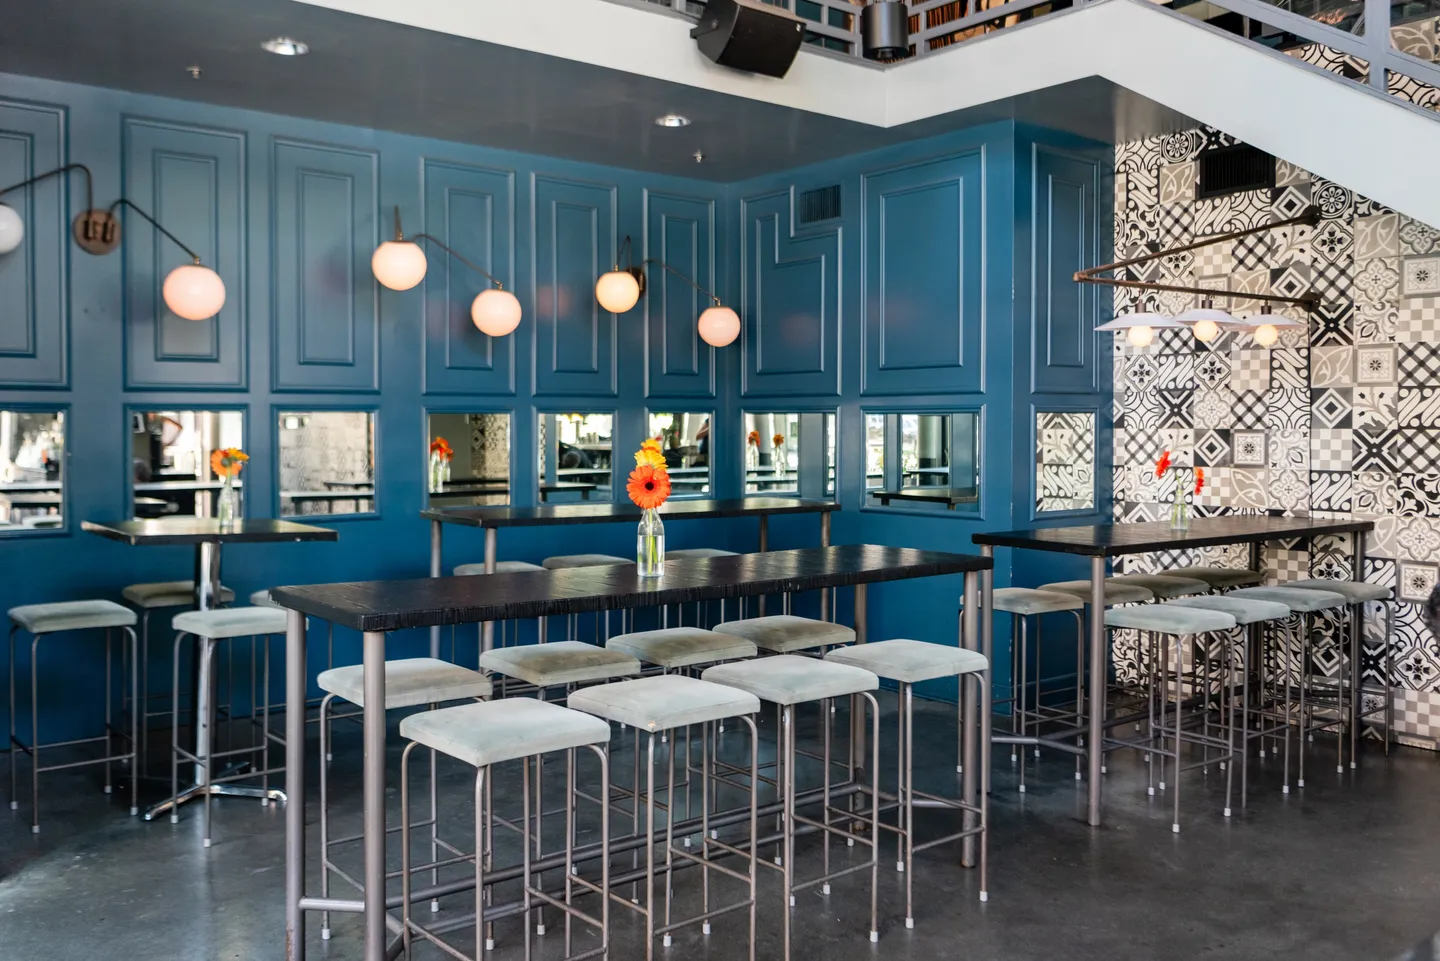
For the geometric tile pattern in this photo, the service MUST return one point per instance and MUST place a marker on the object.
(1341, 417)
(1065, 458)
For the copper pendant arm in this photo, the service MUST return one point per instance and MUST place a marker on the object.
(483, 273)
(664, 266)
(1309, 301)
(89, 182)
(122, 202)
(1310, 218)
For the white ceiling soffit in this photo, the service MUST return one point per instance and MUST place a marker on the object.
(1342, 132)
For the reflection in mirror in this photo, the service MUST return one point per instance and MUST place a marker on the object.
(170, 460)
(685, 440)
(924, 460)
(789, 453)
(32, 455)
(575, 457)
(476, 472)
(327, 462)
(1064, 460)
(830, 455)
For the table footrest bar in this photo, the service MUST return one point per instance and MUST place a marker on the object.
(97, 760)
(707, 916)
(816, 882)
(710, 864)
(338, 905)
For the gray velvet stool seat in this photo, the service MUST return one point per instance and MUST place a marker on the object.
(909, 662)
(42, 620)
(676, 648)
(209, 628)
(559, 664)
(668, 703)
(1164, 586)
(154, 596)
(483, 735)
(1166, 624)
(789, 680)
(786, 633)
(1220, 578)
(501, 567)
(1115, 592)
(409, 682)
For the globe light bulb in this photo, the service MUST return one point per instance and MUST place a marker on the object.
(719, 326)
(1266, 334)
(398, 264)
(1141, 336)
(617, 291)
(1206, 330)
(193, 292)
(495, 312)
(12, 229)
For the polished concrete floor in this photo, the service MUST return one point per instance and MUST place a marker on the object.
(1348, 868)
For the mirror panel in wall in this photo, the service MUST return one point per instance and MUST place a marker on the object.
(1064, 461)
(789, 453)
(477, 471)
(32, 474)
(170, 460)
(685, 440)
(327, 462)
(923, 460)
(575, 456)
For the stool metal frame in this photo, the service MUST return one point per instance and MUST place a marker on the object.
(18, 746)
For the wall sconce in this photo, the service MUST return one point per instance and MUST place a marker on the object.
(400, 264)
(191, 291)
(619, 290)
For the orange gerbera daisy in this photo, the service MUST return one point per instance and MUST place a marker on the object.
(648, 456)
(753, 438)
(1199, 479)
(1163, 464)
(227, 461)
(778, 439)
(648, 487)
(442, 447)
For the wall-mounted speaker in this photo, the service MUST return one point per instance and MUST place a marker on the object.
(749, 35)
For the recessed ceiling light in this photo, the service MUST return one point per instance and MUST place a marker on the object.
(286, 47)
(672, 120)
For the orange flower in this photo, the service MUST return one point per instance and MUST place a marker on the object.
(778, 439)
(227, 461)
(650, 443)
(442, 447)
(648, 456)
(648, 486)
(1199, 479)
(753, 438)
(1163, 464)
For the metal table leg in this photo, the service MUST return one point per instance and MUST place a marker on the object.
(435, 571)
(294, 785)
(857, 716)
(987, 647)
(1095, 742)
(825, 614)
(487, 630)
(374, 779)
(764, 546)
(970, 640)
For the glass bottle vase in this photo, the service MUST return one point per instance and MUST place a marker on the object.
(227, 510)
(650, 544)
(437, 476)
(1179, 510)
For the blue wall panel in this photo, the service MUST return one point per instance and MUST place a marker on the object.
(924, 274)
(325, 319)
(792, 301)
(34, 301)
(680, 232)
(1066, 239)
(191, 179)
(471, 210)
(574, 238)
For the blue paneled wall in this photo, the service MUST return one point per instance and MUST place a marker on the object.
(936, 287)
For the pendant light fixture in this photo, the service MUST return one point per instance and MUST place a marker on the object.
(191, 291)
(400, 264)
(1206, 321)
(1139, 327)
(1266, 326)
(620, 289)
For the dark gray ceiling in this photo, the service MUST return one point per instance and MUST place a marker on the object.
(371, 73)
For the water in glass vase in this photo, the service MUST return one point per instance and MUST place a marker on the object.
(228, 509)
(650, 544)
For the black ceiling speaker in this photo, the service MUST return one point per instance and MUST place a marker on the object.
(885, 30)
(749, 35)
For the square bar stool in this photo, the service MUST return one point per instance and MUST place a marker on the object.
(1164, 586)
(908, 662)
(1174, 625)
(565, 562)
(1304, 603)
(209, 628)
(786, 633)
(788, 681)
(154, 596)
(1220, 578)
(484, 735)
(409, 682)
(1358, 594)
(670, 703)
(43, 620)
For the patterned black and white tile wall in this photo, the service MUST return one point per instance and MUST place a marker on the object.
(1341, 417)
(1064, 460)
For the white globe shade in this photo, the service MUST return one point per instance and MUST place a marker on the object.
(1266, 334)
(496, 312)
(1206, 330)
(398, 264)
(12, 229)
(194, 292)
(617, 291)
(1140, 336)
(719, 326)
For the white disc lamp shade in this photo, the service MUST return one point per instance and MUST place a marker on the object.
(719, 326)
(1140, 327)
(398, 264)
(12, 229)
(617, 291)
(1265, 327)
(495, 312)
(194, 292)
(1206, 322)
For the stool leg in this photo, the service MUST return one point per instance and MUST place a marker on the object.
(982, 678)
(650, 846)
(902, 813)
(670, 814)
(1227, 691)
(1179, 698)
(526, 880)
(874, 815)
(1306, 640)
(34, 735)
(325, 811)
(404, 846)
(907, 797)
(175, 728)
(14, 800)
(787, 831)
(109, 709)
(208, 646)
(1357, 682)
(1285, 701)
(264, 721)
(142, 664)
(1022, 703)
(1388, 686)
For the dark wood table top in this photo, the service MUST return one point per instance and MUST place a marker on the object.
(199, 530)
(394, 605)
(606, 513)
(1114, 540)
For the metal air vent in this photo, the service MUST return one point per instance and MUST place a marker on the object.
(1234, 169)
(818, 205)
